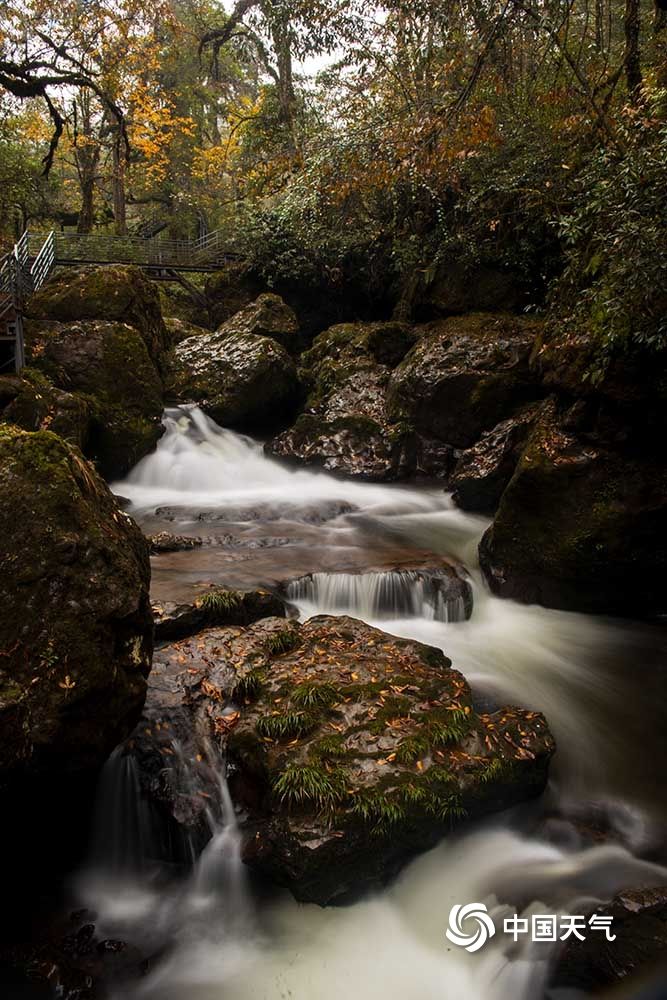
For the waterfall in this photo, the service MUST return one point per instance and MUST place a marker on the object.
(383, 595)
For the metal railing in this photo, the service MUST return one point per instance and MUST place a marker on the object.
(25, 269)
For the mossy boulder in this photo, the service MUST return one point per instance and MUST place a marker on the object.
(180, 329)
(267, 316)
(231, 289)
(345, 427)
(107, 364)
(580, 526)
(112, 292)
(349, 750)
(465, 375)
(31, 401)
(76, 628)
(242, 380)
(483, 471)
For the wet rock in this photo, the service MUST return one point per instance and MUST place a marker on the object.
(349, 750)
(76, 628)
(464, 375)
(31, 401)
(640, 925)
(580, 526)
(231, 289)
(114, 293)
(180, 329)
(267, 316)
(165, 542)
(216, 607)
(483, 471)
(69, 961)
(345, 428)
(241, 379)
(109, 365)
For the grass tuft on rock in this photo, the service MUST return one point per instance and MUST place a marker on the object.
(288, 725)
(309, 785)
(220, 601)
(314, 695)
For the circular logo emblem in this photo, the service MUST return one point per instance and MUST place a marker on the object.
(470, 912)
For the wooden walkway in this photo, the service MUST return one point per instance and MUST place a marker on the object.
(29, 264)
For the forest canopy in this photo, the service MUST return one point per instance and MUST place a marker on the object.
(358, 142)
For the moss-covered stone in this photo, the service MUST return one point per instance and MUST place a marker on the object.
(580, 526)
(107, 364)
(31, 401)
(267, 316)
(112, 292)
(464, 375)
(345, 427)
(76, 627)
(350, 749)
(242, 380)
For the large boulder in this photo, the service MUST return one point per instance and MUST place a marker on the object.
(240, 378)
(267, 316)
(345, 427)
(483, 471)
(76, 628)
(639, 923)
(580, 525)
(108, 364)
(112, 292)
(31, 401)
(349, 750)
(464, 375)
(230, 290)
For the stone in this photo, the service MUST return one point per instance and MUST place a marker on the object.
(580, 526)
(483, 471)
(31, 401)
(349, 750)
(108, 364)
(112, 292)
(76, 629)
(215, 607)
(639, 922)
(267, 316)
(464, 375)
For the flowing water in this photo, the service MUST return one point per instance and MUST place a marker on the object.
(600, 826)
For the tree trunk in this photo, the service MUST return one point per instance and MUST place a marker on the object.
(118, 183)
(87, 157)
(286, 95)
(633, 69)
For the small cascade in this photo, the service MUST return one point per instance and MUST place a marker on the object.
(441, 597)
(126, 880)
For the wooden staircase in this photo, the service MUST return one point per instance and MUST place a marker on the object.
(25, 269)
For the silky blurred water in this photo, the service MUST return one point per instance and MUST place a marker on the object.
(597, 681)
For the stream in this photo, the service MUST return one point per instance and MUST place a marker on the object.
(599, 827)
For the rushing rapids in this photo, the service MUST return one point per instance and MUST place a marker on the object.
(222, 942)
